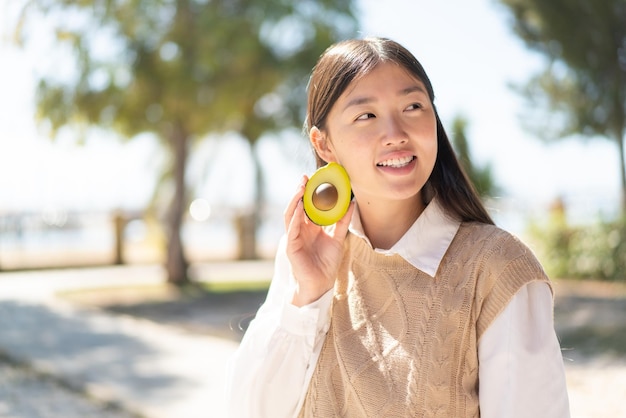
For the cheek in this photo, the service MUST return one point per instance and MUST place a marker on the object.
(428, 141)
(428, 150)
(346, 149)
(430, 138)
(354, 160)
(433, 146)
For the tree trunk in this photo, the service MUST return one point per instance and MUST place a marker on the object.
(119, 223)
(247, 223)
(176, 263)
(622, 160)
(246, 236)
(618, 129)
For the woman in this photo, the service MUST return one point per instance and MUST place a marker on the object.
(414, 303)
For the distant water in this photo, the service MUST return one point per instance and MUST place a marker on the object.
(93, 237)
(217, 238)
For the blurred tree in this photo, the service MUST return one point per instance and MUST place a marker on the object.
(181, 69)
(481, 177)
(582, 91)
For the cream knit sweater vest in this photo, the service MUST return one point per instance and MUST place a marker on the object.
(404, 344)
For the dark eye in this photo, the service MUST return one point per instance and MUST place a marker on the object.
(365, 116)
(414, 106)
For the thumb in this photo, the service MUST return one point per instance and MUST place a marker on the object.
(341, 228)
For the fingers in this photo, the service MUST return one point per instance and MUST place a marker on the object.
(341, 228)
(295, 223)
(293, 204)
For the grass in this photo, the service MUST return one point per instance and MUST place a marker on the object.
(235, 286)
(221, 309)
(137, 294)
(593, 340)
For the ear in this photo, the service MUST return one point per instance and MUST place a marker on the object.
(322, 145)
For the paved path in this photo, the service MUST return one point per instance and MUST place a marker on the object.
(26, 393)
(597, 389)
(150, 369)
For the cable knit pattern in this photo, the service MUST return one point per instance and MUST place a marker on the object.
(404, 344)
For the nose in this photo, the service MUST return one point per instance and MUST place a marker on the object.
(394, 132)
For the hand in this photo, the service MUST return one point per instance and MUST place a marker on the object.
(314, 253)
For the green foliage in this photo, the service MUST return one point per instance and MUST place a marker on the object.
(181, 69)
(585, 44)
(596, 251)
(481, 177)
(582, 90)
(203, 66)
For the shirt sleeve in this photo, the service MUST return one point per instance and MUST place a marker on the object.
(270, 371)
(521, 371)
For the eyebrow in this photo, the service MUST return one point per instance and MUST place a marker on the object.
(413, 89)
(404, 92)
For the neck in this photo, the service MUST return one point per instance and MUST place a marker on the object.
(385, 222)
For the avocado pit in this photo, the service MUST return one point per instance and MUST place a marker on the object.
(325, 196)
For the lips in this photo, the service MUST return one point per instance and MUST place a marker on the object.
(397, 162)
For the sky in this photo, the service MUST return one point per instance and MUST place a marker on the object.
(468, 50)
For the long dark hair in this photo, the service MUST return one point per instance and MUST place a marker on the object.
(346, 61)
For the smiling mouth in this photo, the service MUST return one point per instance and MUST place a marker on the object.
(397, 162)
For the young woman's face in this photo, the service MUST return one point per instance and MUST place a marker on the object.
(383, 130)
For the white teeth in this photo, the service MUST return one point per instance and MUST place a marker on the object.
(396, 162)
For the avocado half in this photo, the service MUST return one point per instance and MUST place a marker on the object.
(327, 194)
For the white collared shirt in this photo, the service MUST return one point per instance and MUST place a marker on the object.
(521, 369)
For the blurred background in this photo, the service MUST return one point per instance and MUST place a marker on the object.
(169, 132)
(120, 127)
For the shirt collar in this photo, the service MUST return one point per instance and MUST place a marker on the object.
(426, 241)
